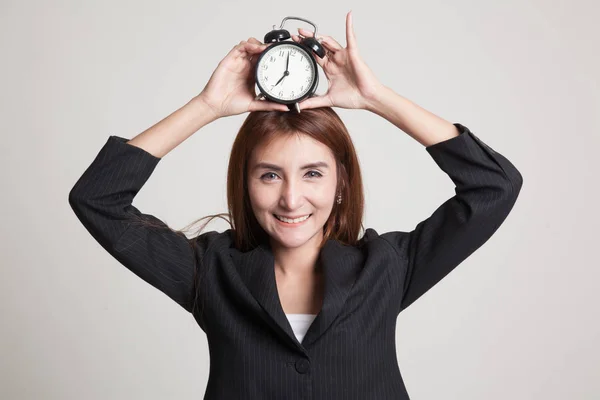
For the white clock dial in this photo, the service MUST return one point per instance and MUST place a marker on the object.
(271, 70)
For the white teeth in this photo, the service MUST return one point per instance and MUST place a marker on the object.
(291, 221)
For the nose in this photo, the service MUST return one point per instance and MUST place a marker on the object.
(291, 195)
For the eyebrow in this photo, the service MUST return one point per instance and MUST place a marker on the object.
(264, 165)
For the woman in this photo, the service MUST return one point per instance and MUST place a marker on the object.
(298, 308)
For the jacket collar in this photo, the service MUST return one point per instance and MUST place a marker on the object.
(341, 266)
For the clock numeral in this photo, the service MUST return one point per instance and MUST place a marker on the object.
(266, 78)
(302, 88)
(302, 59)
(292, 93)
(281, 52)
(308, 79)
(307, 68)
(265, 66)
(281, 93)
(271, 59)
(293, 53)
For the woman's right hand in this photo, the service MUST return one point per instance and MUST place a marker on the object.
(230, 90)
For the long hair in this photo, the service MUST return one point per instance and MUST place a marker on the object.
(322, 125)
(261, 127)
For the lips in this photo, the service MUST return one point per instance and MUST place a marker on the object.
(293, 223)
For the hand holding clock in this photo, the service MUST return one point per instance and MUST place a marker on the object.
(352, 84)
(230, 89)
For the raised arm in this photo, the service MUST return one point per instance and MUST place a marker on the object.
(486, 188)
(102, 200)
(487, 184)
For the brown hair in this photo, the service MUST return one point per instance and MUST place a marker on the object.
(261, 127)
(321, 124)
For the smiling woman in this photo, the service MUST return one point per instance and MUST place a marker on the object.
(295, 194)
(243, 297)
(295, 205)
(292, 165)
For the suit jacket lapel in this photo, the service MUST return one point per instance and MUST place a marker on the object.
(341, 266)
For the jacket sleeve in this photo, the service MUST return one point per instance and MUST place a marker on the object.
(486, 189)
(102, 201)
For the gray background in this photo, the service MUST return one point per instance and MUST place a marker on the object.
(516, 320)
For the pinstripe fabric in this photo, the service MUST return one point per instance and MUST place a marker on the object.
(349, 350)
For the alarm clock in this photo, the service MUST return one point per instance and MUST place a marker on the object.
(286, 72)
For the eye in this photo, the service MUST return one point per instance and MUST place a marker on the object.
(265, 176)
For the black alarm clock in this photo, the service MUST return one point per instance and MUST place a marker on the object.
(286, 72)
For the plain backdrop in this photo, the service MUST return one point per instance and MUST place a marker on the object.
(519, 319)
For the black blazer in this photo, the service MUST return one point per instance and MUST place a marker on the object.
(349, 351)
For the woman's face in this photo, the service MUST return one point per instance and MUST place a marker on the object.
(294, 176)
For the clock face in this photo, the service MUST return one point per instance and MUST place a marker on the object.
(271, 74)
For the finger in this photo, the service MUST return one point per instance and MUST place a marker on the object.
(253, 40)
(252, 47)
(350, 37)
(315, 102)
(235, 49)
(320, 61)
(333, 44)
(239, 49)
(330, 51)
(297, 38)
(265, 105)
(258, 42)
(248, 50)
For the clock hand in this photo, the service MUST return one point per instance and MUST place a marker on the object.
(278, 81)
(286, 73)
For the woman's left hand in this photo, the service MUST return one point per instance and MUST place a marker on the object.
(352, 84)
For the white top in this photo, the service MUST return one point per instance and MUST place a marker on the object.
(300, 323)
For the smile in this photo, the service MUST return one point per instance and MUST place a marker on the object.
(295, 221)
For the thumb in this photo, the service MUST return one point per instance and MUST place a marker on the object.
(265, 105)
(315, 102)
